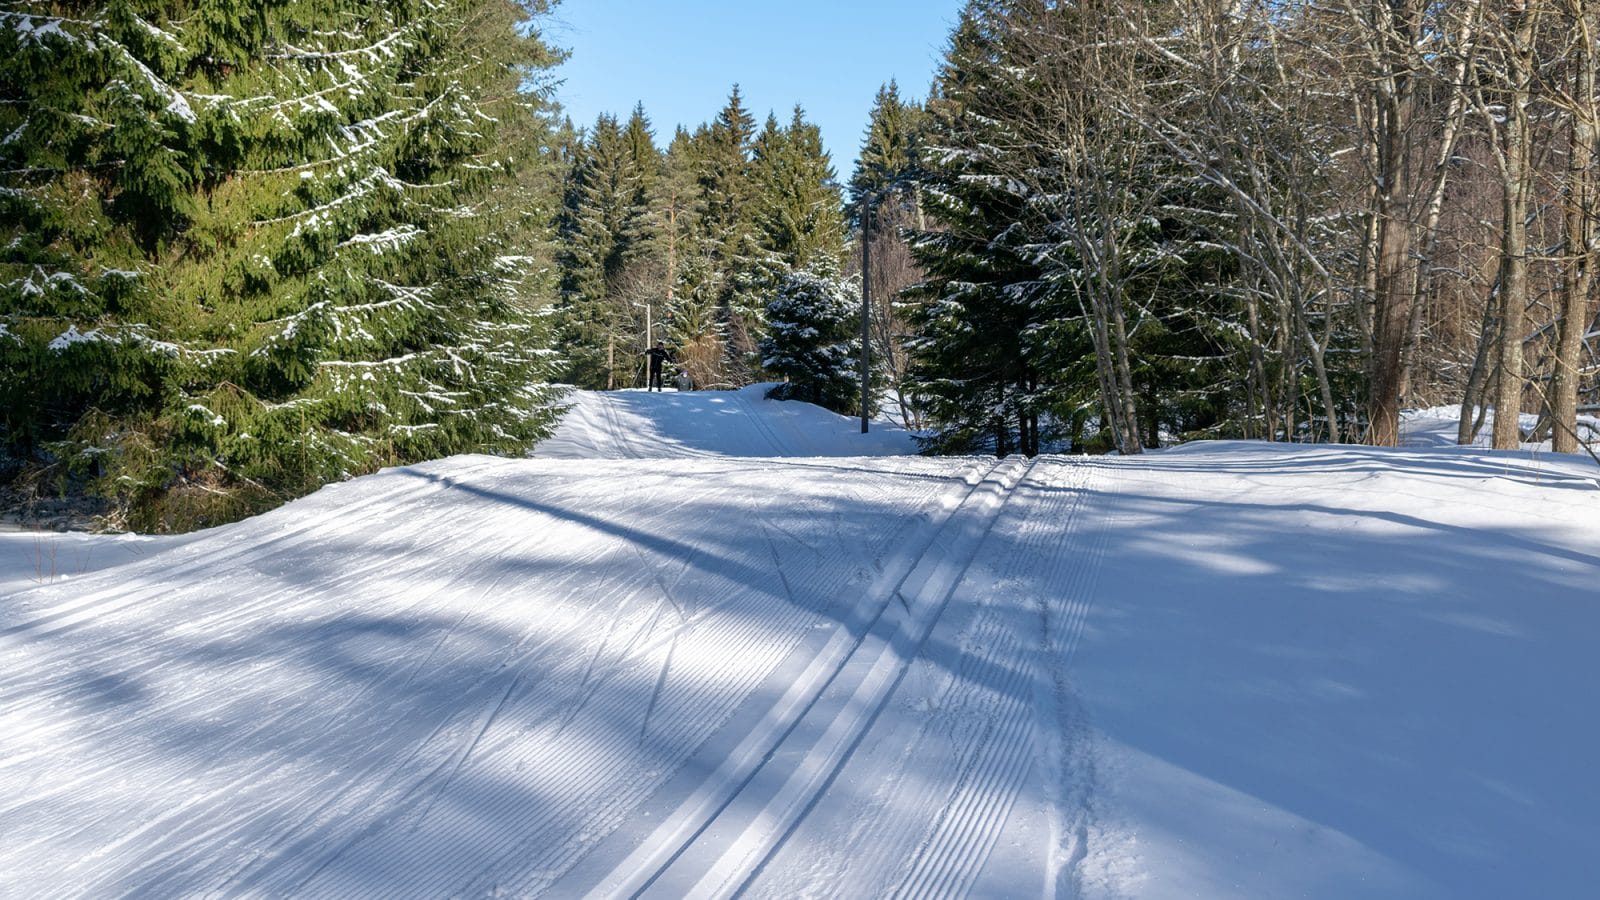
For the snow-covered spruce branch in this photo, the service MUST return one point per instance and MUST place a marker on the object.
(385, 241)
(371, 51)
(23, 24)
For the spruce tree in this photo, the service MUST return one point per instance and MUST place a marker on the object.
(886, 177)
(250, 249)
(694, 326)
(727, 232)
(975, 357)
(612, 271)
(812, 340)
(799, 206)
(889, 161)
(595, 219)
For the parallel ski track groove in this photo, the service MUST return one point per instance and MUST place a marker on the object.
(985, 792)
(915, 634)
(686, 827)
(939, 843)
(536, 850)
(702, 806)
(549, 861)
(779, 446)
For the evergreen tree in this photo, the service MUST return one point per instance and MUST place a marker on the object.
(978, 337)
(1077, 273)
(252, 249)
(799, 207)
(601, 221)
(728, 233)
(612, 272)
(697, 239)
(889, 160)
(887, 176)
(812, 340)
(641, 226)
(695, 326)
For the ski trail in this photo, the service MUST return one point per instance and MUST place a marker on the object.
(620, 436)
(606, 782)
(1066, 749)
(967, 706)
(715, 839)
(203, 555)
(38, 701)
(777, 445)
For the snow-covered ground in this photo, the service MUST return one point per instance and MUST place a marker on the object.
(708, 644)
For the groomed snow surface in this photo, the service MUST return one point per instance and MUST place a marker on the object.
(708, 644)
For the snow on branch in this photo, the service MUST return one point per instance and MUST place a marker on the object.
(36, 283)
(386, 241)
(378, 177)
(373, 52)
(35, 29)
(176, 104)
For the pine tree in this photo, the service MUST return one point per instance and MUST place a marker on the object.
(253, 249)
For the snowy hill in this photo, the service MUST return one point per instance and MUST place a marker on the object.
(710, 645)
(670, 424)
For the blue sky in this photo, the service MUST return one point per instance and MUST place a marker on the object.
(681, 57)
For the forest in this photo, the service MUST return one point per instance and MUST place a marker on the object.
(250, 249)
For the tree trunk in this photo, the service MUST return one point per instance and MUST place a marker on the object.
(1515, 188)
(1578, 269)
(1392, 311)
(1474, 395)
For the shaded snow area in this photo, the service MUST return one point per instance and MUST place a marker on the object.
(764, 661)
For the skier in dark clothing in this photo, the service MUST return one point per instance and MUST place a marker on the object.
(658, 357)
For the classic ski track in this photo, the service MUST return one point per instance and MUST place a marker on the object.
(542, 871)
(626, 440)
(780, 447)
(752, 745)
(971, 818)
(1067, 752)
(292, 820)
(682, 831)
(924, 612)
(935, 844)
(619, 435)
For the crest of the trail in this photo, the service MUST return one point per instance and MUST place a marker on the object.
(702, 424)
